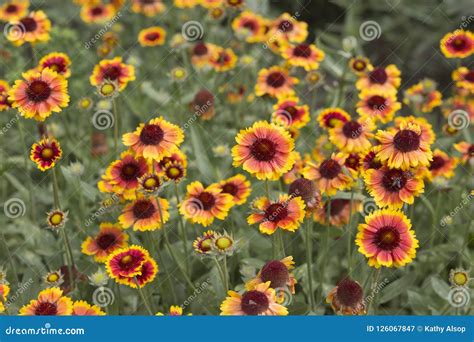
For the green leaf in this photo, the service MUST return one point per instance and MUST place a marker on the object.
(395, 288)
(439, 286)
(202, 159)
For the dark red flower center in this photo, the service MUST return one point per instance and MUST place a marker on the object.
(276, 79)
(371, 162)
(98, 10)
(38, 91)
(359, 65)
(352, 129)
(276, 272)
(349, 293)
(130, 171)
(143, 209)
(376, 102)
(207, 200)
(378, 75)
(263, 149)
(151, 134)
(203, 98)
(112, 73)
(353, 161)
(105, 241)
(459, 43)
(200, 49)
(469, 76)
(394, 180)
(437, 163)
(251, 25)
(152, 36)
(230, 188)
(406, 140)
(11, 8)
(330, 169)
(223, 57)
(285, 26)
(292, 111)
(470, 151)
(302, 50)
(254, 303)
(57, 66)
(174, 171)
(331, 118)
(276, 212)
(337, 205)
(304, 188)
(46, 309)
(387, 238)
(147, 2)
(29, 24)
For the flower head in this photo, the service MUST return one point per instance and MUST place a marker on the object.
(110, 238)
(275, 82)
(145, 213)
(457, 44)
(347, 298)
(113, 70)
(50, 302)
(152, 36)
(46, 153)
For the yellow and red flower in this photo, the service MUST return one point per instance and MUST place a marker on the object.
(370, 161)
(467, 151)
(203, 244)
(330, 175)
(288, 113)
(387, 239)
(250, 26)
(404, 147)
(457, 44)
(347, 298)
(148, 272)
(203, 205)
(186, 3)
(110, 238)
(423, 96)
(377, 105)
(39, 94)
(82, 308)
(201, 54)
(464, 78)
(4, 291)
(4, 102)
(288, 28)
(427, 133)
(121, 176)
(360, 65)
(383, 79)
(442, 165)
(152, 36)
(145, 213)
(307, 56)
(97, 13)
(33, 28)
(174, 310)
(238, 187)
(222, 59)
(46, 153)
(126, 262)
(13, 9)
(330, 117)
(264, 150)
(287, 213)
(150, 8)
(262, 300)
(112, 70)
(58, 62)
(155, 140)
(277, 272)
(393, 187)
(50, 302)
(353, 135)
(275, 81)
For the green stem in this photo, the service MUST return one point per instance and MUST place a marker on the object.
(435, 219)
(309, 263)
(349, 235)
(116, 125)
(372, 287)
(69, 255)
(221, 273)
(183, 232)
(326, 247)
(226, 274)
(29, 184)
(142, 295)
